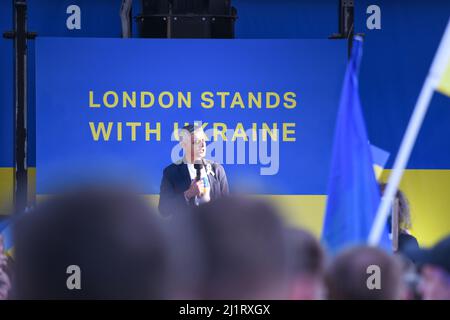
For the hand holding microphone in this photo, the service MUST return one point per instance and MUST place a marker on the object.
(195, 189)
(197, 186)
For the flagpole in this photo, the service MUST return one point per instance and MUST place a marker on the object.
(440, 61)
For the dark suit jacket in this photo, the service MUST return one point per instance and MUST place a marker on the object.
(176, 180)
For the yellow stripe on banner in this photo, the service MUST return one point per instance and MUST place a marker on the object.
(378, 170)
(31, 185)
(7, 188)
(444, 85)
(426, 190)
(303, 211)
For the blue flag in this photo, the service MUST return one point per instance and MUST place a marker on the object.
(353, 192)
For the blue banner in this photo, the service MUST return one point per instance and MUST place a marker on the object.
(267, 106)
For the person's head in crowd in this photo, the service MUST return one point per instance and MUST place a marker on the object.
(240, 247)
(307, 265)
(434, 265)
(95, 243)
(364, 273)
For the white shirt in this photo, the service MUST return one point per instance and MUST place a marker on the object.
(193, 175)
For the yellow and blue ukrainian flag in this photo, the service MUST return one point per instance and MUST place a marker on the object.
(442, 63)
(353, 192)
(444, 84)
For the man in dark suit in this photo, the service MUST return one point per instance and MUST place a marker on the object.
(192, 180)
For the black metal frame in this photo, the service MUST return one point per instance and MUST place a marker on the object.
(346, 14)
(170, 17)
(20, 35)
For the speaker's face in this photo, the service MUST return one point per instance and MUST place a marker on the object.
(194, 146)
(198, 141)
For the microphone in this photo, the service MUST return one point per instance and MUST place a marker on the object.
(198, 167)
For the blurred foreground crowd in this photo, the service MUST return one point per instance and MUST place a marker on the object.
(107, 243)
